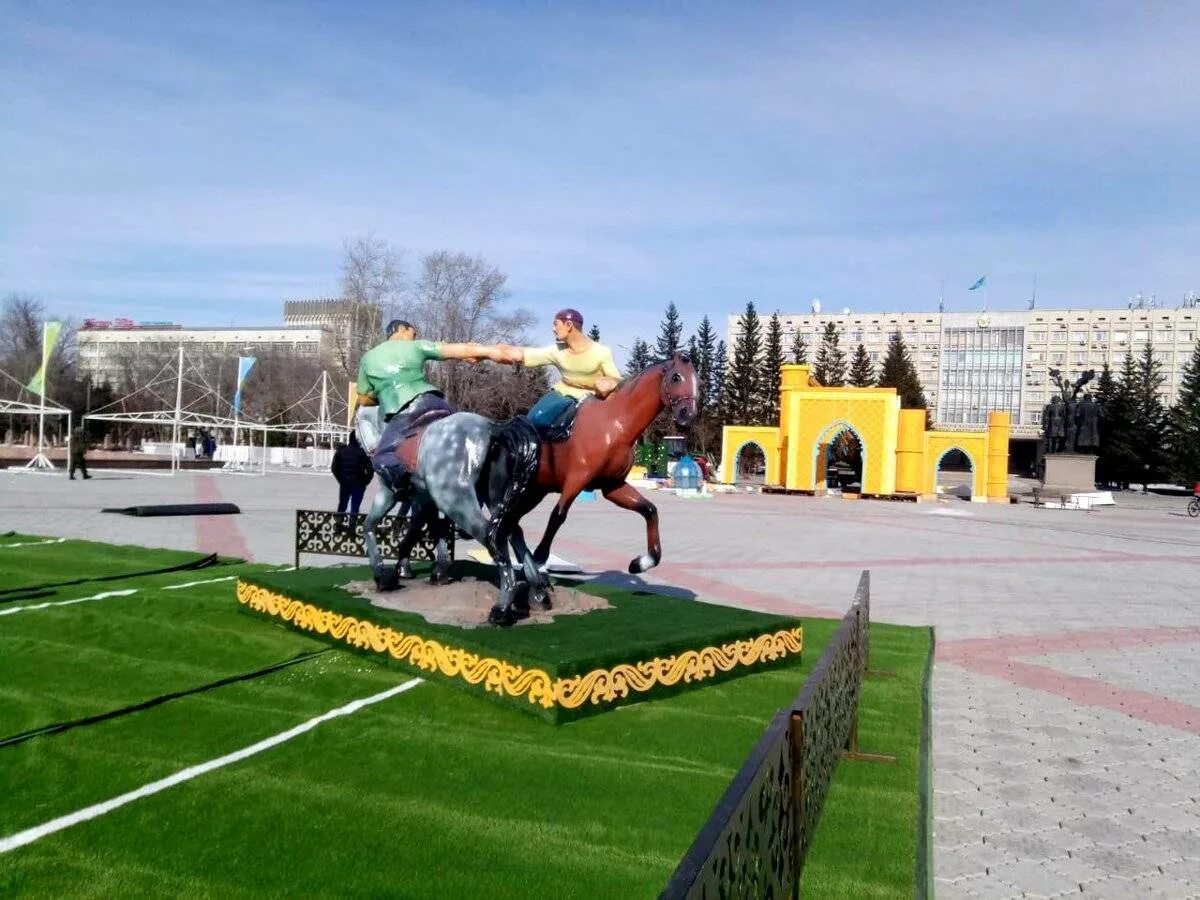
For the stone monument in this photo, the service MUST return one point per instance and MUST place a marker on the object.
(1070, 438)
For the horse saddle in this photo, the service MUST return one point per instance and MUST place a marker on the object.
(401, 440)
(560, 429)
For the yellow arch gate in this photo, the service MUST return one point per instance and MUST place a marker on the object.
(899, 455)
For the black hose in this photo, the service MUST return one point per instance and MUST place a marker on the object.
(31, 591)
(59, 727)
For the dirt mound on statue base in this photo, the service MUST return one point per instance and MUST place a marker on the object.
(466, 603)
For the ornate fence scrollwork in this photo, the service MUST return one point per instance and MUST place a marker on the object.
(331, 534)
(755, 842)
(746, 849)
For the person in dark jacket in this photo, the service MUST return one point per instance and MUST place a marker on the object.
(352, 469)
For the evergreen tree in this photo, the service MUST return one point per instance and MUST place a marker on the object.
(830, 366)
(799, 349)
(1184, 440)
(1122, 453)
(718, 397)
(1149, 417)
(899, 372)
(670, 333)
(741, 385)
(1106, 398)
(862, 372)
(640, 359)
(769, 372)
(594, 333)
(704, 358)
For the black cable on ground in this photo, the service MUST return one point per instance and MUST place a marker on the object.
(23, 593)
(59, 727)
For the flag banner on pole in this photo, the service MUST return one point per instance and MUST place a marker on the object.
(50, 331)
(245, 364)
(977, 285)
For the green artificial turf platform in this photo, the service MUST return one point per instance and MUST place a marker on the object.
(644, 646)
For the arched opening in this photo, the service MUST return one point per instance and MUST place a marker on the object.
(954, 474)
(750, 464)
(839, 459)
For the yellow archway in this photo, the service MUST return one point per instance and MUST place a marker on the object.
(899, 455)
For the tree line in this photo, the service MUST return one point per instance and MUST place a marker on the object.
(1142, 440)
(744, 389)
(449, 296)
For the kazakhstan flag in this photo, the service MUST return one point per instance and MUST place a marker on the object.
(977, 285)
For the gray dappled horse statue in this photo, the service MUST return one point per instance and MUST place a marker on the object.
(463, 462)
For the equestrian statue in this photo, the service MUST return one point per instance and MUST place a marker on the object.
(484, 476)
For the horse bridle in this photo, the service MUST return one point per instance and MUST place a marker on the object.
(670, 377)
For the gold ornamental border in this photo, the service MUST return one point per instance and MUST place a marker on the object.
(597, 686)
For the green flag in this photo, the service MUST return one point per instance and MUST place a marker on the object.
(50, 330)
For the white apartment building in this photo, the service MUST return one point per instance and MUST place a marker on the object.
(972, 363)
(102, 346)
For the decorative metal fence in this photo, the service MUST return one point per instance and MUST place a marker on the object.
(340, 534)
(755, 842)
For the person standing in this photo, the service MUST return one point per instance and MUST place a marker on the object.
(352, 468)
(78, 453)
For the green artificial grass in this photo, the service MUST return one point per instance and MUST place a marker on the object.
(430, 793)
(868, 838)
(69, 661)
(30, 567)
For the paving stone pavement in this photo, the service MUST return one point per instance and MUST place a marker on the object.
(1066, 687)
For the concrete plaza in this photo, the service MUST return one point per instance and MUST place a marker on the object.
(1067, 677)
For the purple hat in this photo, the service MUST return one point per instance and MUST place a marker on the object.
(570, 315)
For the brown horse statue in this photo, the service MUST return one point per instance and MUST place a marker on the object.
(600, 451)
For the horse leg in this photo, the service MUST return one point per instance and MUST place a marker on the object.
(627, 497)
(384, 500)
(502, 612)
(420, 515)
(558, 515)
(540, 587)
(441, 555)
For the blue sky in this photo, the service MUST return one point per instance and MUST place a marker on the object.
(204, 162)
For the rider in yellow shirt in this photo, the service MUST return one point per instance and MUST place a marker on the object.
(586, 366)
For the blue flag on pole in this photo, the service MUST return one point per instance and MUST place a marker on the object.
(977, 285)
(245, 363)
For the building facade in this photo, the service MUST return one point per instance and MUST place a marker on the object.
(104, 348)
(349, 324)
(973, 363)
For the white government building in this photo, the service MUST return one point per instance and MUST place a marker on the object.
(311, 328)
(971, 363)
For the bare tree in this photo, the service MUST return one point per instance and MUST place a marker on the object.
(460, 298)
(372, 281)
(21, 335)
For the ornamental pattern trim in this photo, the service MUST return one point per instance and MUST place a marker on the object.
(332, 534)
(599, 686)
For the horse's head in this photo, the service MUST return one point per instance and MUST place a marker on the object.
(680, 389)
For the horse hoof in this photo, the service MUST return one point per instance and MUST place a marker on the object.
(387, 581)
(501, 616)
(404, 570)
(643, 563)
(541, 599)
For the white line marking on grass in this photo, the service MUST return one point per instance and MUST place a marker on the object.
(33, 543)
(29, 835)
(105, 595)
(187, 584)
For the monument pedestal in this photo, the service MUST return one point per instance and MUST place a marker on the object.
(1068, 473)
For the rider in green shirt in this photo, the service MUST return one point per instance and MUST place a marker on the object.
(392, 377)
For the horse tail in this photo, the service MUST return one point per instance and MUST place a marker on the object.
(518, 444)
